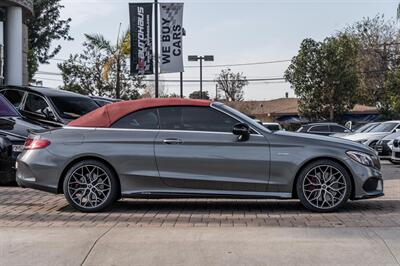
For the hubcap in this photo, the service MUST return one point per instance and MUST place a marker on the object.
(89, 186)
(324, 187)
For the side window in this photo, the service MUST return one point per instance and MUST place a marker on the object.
(196, 119)
(319, 129)
(338, 129)
(144, 119)
(14, 97)
(35, 104)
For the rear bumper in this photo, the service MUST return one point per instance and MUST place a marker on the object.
(35, 170)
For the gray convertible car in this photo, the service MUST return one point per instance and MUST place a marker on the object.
(193, 148)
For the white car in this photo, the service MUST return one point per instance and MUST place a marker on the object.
(374, 135)
(396, 151)
(272, 126)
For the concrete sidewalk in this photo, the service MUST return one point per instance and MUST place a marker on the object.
(199, 246)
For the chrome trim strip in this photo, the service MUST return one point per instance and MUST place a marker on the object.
(150, 130)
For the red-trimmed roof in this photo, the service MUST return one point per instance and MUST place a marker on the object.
(108, 114)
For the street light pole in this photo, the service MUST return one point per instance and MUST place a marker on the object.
(195, 58)
(201, 76)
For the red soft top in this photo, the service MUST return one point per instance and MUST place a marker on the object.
(105, 116)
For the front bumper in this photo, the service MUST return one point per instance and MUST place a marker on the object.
(368, 181)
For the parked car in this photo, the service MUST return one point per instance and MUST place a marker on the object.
(14, 129)
(101, 101)
(325, 129)
(377, 133)
(272, 126)
(385, 145)
(48, 106)
(193, 148)
(364, 128)
(396, 151)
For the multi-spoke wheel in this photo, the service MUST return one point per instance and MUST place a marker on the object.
(324, 186)
(90, 186)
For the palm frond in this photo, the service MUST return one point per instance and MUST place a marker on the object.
(107, 68)
(99, 41)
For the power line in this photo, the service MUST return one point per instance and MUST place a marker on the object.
(221, 65)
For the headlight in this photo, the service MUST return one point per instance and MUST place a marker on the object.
(361, 158)
(390, 145)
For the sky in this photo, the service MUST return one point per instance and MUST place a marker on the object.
(235, 32)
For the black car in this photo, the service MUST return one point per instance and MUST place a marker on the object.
(48, 106)
(14, 129)
(385, 145)
(325, 129)
(101, 101)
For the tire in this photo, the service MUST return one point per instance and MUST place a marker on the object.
(91, 186)
(319, 191)
(394, 162)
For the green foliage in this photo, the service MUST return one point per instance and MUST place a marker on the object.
(324, 75)
(84, 73)
(197, 95)
(44, 27)
(378, 55)
(232, 84)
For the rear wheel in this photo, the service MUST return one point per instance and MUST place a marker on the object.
(90, 186)
(324, 186)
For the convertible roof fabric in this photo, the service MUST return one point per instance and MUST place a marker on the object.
(105, 116)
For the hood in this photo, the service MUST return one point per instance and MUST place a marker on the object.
(322, 140)
(366, 136)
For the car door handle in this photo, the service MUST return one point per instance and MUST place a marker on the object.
(172, 141)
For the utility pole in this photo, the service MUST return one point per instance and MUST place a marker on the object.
(181, 83)
(156, 47)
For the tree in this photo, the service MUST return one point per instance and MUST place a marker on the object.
(378, 55)
(44, 27)
(84, 73)
(116, 56)
(198, 95)
(325, 77)
(232, 84)
(393, 95)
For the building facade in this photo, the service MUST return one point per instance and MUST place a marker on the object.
(14, 41)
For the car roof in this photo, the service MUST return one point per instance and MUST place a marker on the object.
(105, 116)
(50, 92)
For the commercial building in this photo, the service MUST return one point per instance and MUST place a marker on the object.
(14, 41)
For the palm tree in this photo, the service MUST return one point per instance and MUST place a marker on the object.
(115, 55)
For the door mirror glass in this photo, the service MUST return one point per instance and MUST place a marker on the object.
(397, 130)
(242, 130)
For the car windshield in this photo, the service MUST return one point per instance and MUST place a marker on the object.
(273, 127)
(385, 127)
(366, 128)
(73, 107)
(6, 108)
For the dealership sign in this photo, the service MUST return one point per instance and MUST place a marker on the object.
(171, 30)
(141, 18)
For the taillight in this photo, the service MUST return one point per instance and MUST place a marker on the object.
(36, 144)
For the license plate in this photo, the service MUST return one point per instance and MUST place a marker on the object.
(17, 148)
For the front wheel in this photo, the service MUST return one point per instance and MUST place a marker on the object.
(90, 186)
(324, 186)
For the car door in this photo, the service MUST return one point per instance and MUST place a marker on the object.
(196, 149)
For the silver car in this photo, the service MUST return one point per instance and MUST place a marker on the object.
(193, 148)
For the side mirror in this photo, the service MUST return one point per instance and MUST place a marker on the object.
(242, 130)
(48, 113)
(397, 130)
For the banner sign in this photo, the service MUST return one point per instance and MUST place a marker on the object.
(141, 18)
(171, 37)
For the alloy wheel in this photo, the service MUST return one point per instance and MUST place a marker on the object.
(324, 187)
(89, 186)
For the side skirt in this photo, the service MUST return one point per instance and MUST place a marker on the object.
(162, 194)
